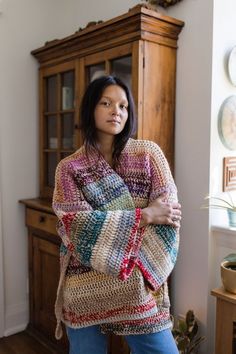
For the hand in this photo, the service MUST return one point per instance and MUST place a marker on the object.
(161, 212)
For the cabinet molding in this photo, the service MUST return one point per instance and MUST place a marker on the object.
(138, 23)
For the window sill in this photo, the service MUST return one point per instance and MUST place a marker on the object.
(225, 229)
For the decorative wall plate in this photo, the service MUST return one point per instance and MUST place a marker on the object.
(227, 122)
(232, 66)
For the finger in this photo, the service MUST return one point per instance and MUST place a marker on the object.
(177, 213)
(176, 224)
(176, 217)
(176, 206)
(169, 221)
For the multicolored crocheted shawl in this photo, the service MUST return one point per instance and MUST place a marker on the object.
(114, 273)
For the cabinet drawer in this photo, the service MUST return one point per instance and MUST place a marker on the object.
(42, 221)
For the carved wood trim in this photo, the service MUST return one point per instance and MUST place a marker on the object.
(138, 23)
(229, 174)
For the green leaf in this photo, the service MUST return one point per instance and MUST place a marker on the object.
(176, 332)
(231, 257)
(182, 326)
(193, 330)
(190, 319)
(231, 199)
(183, 344)
(230, 206)
(185, 334)
(195, 344)
(217, 206)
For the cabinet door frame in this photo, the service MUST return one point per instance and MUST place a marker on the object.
(45, 190)
(39, 244)
(105, 56)
(41, 247)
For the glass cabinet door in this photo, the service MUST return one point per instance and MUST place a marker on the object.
(95, 71)
(58, 122)
(122, 68)
(51, 94)
(67, 90)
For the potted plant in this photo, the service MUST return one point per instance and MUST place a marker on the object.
(163, 3)
(228, 272)
(223, 203)
(185, 334)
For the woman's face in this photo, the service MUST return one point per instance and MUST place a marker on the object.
(111, 112)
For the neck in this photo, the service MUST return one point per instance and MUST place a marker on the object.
(105, 146)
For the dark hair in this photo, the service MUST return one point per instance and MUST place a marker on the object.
(90, 99)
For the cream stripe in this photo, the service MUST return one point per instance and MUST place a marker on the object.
(103, 247)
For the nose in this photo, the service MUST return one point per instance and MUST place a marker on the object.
(115, 110)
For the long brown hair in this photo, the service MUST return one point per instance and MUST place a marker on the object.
(90, 99)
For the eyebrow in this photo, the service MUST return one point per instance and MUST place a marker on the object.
(109, 98)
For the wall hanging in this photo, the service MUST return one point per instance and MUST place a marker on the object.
(229, 173)
(232, 66)
(227, 123)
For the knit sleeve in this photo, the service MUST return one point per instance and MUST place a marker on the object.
(106, 240)
(160, 244)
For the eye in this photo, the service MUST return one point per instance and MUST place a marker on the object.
(123, 106)
(105, 103)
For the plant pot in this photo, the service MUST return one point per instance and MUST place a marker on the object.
(232, 217)
(228, 276)
(162, 3)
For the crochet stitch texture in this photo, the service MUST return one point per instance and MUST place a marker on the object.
(114, 273)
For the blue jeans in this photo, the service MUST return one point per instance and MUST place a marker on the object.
(90, 340)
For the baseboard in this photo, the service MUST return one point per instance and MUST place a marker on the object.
(17, 318)
(15, 330)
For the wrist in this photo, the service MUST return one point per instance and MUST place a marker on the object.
(145, 217)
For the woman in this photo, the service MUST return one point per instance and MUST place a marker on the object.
(118, 219)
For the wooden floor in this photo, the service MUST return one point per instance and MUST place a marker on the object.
(21, 343)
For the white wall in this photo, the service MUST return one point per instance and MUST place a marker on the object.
(223, 41)
(24, 26)
(202, 86)
(193, 121)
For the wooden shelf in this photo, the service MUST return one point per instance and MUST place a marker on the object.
(38, 204)
(224, 229)
(224, 295)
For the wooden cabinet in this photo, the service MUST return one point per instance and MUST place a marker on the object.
(139, 47)
(43, 250)
(225, 333)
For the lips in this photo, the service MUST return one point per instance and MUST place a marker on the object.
(113, 121)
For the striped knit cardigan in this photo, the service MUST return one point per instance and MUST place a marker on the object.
(114, 273)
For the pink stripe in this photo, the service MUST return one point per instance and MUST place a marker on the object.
(154, 285)
(73, 318)
(134, 244)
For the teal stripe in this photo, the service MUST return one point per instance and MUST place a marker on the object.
(168, 236)
(63, 249)
(88, 236)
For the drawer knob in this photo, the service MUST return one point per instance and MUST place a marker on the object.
(42, 219)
